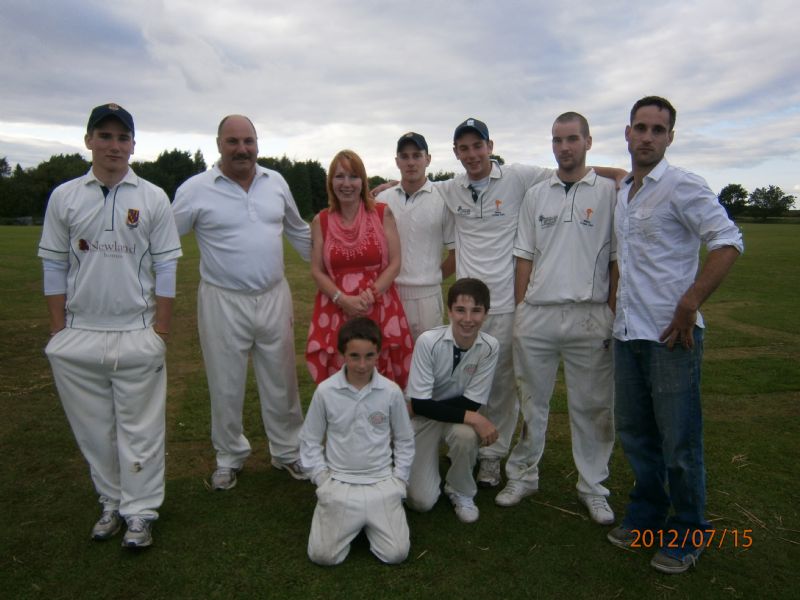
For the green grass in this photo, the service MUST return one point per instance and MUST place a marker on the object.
(251, 542)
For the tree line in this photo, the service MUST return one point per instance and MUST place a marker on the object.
(761, 203)
(24, 192)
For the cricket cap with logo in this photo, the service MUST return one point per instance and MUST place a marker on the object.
(413, 138)
(473, 125)
(105, 111)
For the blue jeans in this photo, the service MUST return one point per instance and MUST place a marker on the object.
(660, 426)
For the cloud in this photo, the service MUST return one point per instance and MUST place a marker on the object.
(319, 76)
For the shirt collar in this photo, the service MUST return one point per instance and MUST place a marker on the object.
(340, 381)
(590, 179)
(130, 178)
(218, 174)
(655, 173)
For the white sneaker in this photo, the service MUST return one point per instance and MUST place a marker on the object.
(488, 473)
(107, 525)
(223, 478)
(599, 510)
(295, 469)
(138, 534)
(513, 493)
(465, 508)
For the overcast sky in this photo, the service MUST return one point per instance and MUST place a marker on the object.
(319, 76)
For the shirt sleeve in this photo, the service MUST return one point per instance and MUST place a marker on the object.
(312, 453)
(402, 437)
(532, 174)
(164, 241)
(54, 244)
(701, 211)
(182, 210)
(450, 410)
(525, 242)
(420, 376)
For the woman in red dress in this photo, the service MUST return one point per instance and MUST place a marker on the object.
(355, 257)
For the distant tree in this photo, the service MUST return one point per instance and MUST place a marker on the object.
(441, 175)
(169, 170)
(199, 162)
(299, 183)
(376, 180)
(25, 193)
(498, 158)
(319, 186)
(769, 202)
(733, 198)
(5, 168)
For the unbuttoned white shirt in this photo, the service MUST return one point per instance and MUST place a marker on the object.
(569, 236)
(659, 233)
(110, 243)
(240, 233)
(423, 229)
(432, 376)
(352, 432)
(485, 229)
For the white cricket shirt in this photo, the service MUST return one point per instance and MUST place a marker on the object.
(432, 375)
(110, 243)
(485, 229)
(569, 236)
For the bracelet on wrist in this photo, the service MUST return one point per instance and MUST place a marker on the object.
(336, 296)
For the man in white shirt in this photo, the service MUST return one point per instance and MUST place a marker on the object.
(239, 212)
(419, 211)
(109, 248)
(663, 215)
(564, 289)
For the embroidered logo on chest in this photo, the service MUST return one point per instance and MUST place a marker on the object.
(377, 419)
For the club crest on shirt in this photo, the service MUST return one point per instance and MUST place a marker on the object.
(377, 419)
(133, 218)
(470, 369)
(464, 212)
(587, 218)
(497, 212)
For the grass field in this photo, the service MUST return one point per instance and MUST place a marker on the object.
(251, 542)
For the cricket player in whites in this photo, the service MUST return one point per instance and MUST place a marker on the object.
(109, 248)
(565, 285)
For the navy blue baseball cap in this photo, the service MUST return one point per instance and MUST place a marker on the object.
(110, 110)
(474, 125)
(414, 138)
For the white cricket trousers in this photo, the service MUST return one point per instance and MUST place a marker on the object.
(502, 409)
(581, 335)
(462, 450)
(344, 509)
(113, 386)
(422, 312)
(233, 326)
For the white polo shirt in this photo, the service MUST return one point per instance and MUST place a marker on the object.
(659, 233)
(569, 236)
(111, 243)
(432, 375)
(354, 433)
(423, 229)
(485, 230)
(240, 233)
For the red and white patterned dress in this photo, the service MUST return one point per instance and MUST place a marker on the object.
(354, 257)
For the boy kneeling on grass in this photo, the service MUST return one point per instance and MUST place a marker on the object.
(357, 445)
